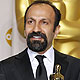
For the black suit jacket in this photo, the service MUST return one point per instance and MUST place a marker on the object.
(18, 67)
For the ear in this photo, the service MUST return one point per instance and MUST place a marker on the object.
(57, 30)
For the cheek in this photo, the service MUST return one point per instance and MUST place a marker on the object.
(50, 36)
(26, 33)
(27, 30)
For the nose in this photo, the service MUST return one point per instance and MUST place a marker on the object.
(37, 27)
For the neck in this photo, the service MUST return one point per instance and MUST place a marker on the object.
(44, 50)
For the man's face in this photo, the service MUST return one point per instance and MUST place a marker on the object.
(39, 27)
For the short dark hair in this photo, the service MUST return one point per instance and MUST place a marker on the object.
(57, 12)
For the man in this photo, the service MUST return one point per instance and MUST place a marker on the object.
(41, 27)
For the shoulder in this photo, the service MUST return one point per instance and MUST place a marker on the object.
(73, 60)
(68, 58)
(12, 59)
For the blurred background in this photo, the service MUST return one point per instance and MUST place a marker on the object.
(12, 39)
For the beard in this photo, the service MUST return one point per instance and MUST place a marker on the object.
(37, 45)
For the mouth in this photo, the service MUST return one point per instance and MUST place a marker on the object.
(36, 38)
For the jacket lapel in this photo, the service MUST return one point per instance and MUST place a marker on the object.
(23, 66)
(61, 59)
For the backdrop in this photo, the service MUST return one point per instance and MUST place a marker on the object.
(12, 39)
(68, 40)
(11, 42)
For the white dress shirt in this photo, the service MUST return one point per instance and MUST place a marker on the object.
(48, 61)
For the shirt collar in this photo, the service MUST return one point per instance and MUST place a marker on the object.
(49, 54)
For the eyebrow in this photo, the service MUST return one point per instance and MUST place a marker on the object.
(47, 19)
(41, 19)
(30, 18)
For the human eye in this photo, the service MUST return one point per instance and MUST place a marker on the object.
(30, 21)
(45, 22)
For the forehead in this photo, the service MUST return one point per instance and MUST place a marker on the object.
(40, 9)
